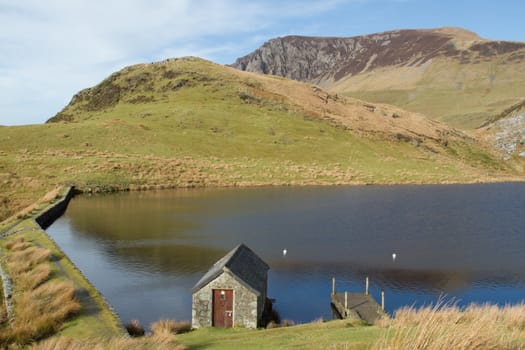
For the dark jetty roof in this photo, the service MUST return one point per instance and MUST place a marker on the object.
(243, 264)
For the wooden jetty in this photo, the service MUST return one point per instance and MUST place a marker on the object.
(357, 306)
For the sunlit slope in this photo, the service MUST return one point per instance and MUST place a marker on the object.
(449, 74)
(460, 94)
(189, 122)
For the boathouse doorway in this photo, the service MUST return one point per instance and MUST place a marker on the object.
(223, 308)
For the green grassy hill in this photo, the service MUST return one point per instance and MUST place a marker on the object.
(189, 122)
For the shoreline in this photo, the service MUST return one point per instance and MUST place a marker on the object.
(246, 184)
(27, 212)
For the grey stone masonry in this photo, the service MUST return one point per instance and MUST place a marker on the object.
(241, 271)
(247, 305)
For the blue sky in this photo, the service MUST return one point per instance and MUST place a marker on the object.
(49, 50)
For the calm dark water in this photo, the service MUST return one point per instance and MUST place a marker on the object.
(145, 251)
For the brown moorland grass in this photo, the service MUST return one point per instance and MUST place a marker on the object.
(165, 326)
(30, 280)
(17, 243)
(21, 261)
(447, 326)
(95, 320)
(41, 312)
(41, 305)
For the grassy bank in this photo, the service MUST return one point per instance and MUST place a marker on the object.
(486, 327)
(50, 295)
(441, 326)
(41, 303)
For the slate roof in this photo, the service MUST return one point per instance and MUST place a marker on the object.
(243, 264)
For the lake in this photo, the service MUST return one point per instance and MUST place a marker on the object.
(145, 250)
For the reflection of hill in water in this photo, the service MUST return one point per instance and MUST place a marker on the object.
(149, 232)
(169, 258)
(116, 217)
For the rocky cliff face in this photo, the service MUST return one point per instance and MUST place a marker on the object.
(510, 136)
(316, 59)
(507, 133)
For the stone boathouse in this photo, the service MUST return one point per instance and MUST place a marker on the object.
(233, 292)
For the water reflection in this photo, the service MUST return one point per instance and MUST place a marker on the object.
(464, 241)
(166, 258)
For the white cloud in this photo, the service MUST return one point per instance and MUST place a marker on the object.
(51, 49)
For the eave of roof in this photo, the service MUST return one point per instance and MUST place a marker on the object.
(221, 266)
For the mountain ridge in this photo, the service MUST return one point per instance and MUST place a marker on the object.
(426, 42)
(427, 71)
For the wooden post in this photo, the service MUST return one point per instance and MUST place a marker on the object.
(346, 301)
(366, 289)
(333, 285)
(383, 300)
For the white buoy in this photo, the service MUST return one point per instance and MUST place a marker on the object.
(394, 257)
(284, 252)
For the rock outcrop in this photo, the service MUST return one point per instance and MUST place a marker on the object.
(507, 133)
(510, 138)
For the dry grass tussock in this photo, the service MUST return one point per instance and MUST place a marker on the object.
(41, 304)
(447, 326)
(17, 244)
(22, 261)
(163, 337)
(285, 323)
(29, 280)
(135, 328)
(166, 327)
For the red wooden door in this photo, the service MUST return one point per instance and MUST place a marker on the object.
(223, 308)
